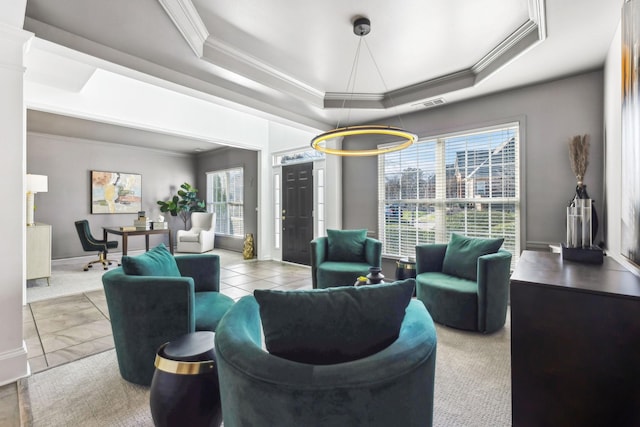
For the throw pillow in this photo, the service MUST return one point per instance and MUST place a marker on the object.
(346, 245)
(155, 262)
(461, 256)
(333, 325)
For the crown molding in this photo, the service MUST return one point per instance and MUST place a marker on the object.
(221, 54)
(430, 89)
(226, 56)
(507, 52)
(186, 18)
(537, 14)
(505, 46)
(353, 100)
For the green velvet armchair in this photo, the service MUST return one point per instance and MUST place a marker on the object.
(392, 387)
(343, 255)
(463, 286)
(147, 311)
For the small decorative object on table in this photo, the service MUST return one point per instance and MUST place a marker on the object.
(360, 281)
(582, 220)
(155, 225)
(159, 223)
(579, 159)
(375, 276)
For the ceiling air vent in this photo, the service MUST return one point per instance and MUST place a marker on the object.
(433, 102)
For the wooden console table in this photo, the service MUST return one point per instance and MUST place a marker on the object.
(575, 343)
(146, 233)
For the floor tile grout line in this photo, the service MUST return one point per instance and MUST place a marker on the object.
(277, 272)
(24, 402)
(35, 324)
(97, 308)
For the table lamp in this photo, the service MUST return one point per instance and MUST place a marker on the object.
(35, 184)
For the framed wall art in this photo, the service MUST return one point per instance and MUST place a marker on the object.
(115, 192)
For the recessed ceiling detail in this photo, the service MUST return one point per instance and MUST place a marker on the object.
(288, 62)
(185, 16)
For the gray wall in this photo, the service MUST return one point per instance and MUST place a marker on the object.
(226, 158)
(553, 112)
(68, 162)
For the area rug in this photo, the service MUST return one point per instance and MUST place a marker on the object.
(89, 393)
(472, 387)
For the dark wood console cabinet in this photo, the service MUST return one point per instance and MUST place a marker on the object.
(575, 343)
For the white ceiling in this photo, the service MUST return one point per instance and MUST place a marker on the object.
(292, 60)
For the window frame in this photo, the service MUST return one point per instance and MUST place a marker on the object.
(230, 225)
(440, 201)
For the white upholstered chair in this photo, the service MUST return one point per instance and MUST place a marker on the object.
(201, 236)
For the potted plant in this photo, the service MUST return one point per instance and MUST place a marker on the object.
(182, 204)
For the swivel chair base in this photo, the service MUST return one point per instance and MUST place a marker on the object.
(103, 260)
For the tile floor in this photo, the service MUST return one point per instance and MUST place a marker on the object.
(63, 329)
(67, 328)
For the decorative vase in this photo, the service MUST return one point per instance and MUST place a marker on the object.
(579, 231)
(247, 250)
(581, 193)
(375, 276)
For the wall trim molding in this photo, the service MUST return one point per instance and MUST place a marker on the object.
(14, 365)
(105, 144)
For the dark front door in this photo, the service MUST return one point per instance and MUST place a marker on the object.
(297, 212)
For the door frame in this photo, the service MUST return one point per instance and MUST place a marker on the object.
(319, 178)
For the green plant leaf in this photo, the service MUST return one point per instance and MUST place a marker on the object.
(182, 204)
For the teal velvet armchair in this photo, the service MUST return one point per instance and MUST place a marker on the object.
(392, 387)
(464, 287)
(147, 311)
(343, 255)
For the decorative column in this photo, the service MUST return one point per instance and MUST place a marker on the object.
(13, 354)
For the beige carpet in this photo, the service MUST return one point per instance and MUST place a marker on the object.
(473, 379)
(88, 393)
(472, 387)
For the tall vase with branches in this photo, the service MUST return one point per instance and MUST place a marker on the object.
(183, 203)
(579, 159)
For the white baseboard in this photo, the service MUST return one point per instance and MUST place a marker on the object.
(14, 365)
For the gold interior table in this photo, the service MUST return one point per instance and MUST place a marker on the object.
(126, 233)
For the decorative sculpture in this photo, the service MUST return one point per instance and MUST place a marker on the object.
(247, 250)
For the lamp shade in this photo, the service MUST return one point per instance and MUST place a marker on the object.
(37, 183)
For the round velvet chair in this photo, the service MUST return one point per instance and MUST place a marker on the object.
(391, 387)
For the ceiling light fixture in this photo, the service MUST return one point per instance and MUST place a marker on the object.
(362, 27)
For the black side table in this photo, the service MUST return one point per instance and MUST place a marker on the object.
(185, 389)
(405, 269)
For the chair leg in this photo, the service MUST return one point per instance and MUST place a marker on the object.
(90, 264)
(103, 255)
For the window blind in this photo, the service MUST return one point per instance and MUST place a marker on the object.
(466, 183)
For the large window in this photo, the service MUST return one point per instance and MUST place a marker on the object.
(225, 197)
(463, 183)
